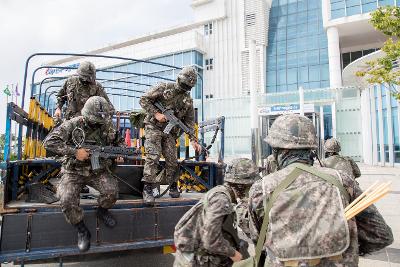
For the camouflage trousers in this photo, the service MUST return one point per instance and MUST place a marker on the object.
(70, 187)
(183, 259)
(158, 143)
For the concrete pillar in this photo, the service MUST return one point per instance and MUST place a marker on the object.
(335, 70)
(322, 122)
(373, 127)
(380, 123)
(366, 132)
(389, 128)
(333, 107)
(301, 97)
(253, 102)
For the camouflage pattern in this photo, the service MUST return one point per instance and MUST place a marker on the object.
(158, 143)
(199, 231)
(75, 93)
(97, 110)
(264, 188)
(345, 164)
(87, 72)
(187, 76)
(242, 171)
(171, 97)
(332, 145)
(69, 189)
(292, 131)
(270, 164)
(75, 173)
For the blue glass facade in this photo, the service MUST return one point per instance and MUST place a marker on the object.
(124, 89)
(344, 8)
(297, 53)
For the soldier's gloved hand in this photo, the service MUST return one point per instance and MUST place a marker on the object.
(119, 160)
(160, 117)
(196, 146)
(82, 154)
(57, 113)
(237, 256)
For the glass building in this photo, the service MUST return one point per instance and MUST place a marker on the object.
(123, 87)
(297, 53)
(345, 8)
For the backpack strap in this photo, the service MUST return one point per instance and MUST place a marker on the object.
(299, 168)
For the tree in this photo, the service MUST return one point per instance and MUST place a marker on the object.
(386, 70)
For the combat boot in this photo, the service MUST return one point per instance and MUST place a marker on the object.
(107, 218)
(173, 190)
(83, 236)
(148, 197)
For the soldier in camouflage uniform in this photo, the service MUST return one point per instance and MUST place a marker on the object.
(77, 172)
(205, 236)
(174, 96)
(77, 90)
(335, 161)
(306, 225)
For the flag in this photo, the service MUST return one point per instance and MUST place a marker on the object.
(7, 91)
(16, 90)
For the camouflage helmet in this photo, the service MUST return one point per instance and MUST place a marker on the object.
(292, 131)
(187, 76)
(96, 110)
(242, 171)
(332, 145)
(87, 71)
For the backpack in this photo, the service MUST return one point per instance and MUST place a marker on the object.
(327, 236)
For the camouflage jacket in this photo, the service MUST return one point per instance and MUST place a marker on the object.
(59, 141)
(271, 165)
(75, 94)
(169, 95)
(200, 229)
(264, 188)
(345, 164)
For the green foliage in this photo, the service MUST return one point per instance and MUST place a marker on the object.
(383, 70)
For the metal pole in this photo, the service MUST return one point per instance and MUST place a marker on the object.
(253, 102)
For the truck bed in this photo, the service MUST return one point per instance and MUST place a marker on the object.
(39, 231)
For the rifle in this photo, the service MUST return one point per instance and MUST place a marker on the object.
(174, 121)
(110, 152)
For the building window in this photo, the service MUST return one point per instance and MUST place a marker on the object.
(208, 28)
(250, 19)
(209, 63)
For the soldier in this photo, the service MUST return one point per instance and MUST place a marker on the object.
(77, 90)
(76, 170)
(304, 205)
(175, 96)
(205, 235)
(335, 161)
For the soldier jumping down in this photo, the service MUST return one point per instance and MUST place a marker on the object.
(174, 96)
(77, 172)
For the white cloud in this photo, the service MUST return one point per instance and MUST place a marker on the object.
(28, 27)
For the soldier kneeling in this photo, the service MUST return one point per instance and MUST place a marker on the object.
(96, 127)
(205, 235)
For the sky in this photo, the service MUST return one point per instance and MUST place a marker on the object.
(75, 26)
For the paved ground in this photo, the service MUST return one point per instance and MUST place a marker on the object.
(389, 207)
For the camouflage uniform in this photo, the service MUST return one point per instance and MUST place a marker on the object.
(171, 96)
(291, 134)
(270, 165)
(339, 162)
(76, 174)
(75, 92)
(205, 236)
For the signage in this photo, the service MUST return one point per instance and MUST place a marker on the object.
(282, 109)
(53, 71)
